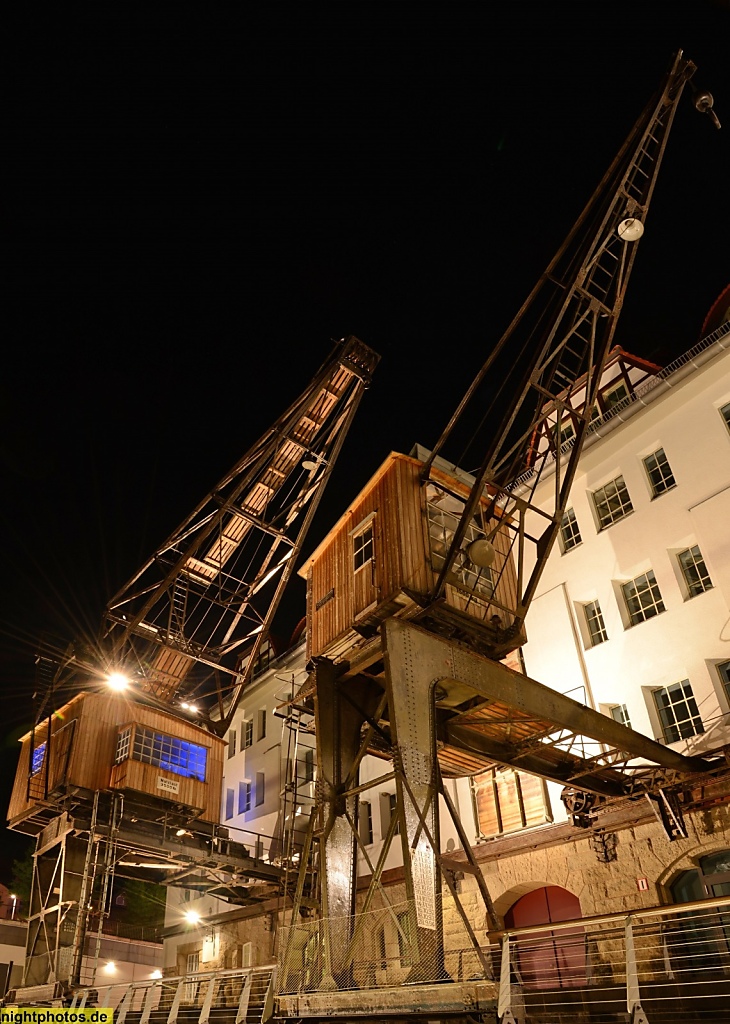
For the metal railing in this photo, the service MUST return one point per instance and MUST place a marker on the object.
(637, 396)
(237, 996)
(646, 966)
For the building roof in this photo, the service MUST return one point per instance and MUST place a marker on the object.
(719, 312)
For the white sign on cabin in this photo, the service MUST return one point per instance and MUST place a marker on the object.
(168, 785)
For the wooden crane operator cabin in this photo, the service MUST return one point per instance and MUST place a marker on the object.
(384, 555)
(108, 742)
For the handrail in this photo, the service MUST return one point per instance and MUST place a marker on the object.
(620, 917)
(663, 376)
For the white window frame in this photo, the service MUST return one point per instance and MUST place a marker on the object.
(601, 497)
(246, 733)
(664, 479)
(620, 713)
(703, 582)
(723, 671)
(676, 730)
(724, 411)
(245, 796)
(365, 532)
(645, 582)
(611, 390)
(570, 536)
(599, 636)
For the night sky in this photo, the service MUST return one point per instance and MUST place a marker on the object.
(193, 209)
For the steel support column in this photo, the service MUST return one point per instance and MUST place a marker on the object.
(338, 725)
(411, 670)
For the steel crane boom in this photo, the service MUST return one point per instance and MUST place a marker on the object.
(556, 346)
(203, 603)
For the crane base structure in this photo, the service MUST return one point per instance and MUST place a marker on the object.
(435, 700)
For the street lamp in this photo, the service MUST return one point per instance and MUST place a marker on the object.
(117, 681)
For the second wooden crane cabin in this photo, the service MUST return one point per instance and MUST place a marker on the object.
(383, 557)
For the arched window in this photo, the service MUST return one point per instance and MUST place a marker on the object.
(701, 939)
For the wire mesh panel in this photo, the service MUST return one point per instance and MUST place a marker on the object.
(380, 950)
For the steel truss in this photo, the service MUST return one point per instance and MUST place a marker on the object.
(199, 610)
(435, 694)
(555, 348)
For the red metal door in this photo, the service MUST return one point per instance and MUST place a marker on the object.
(549, 960)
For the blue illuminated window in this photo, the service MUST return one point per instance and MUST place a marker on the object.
(39, 755)
(174, 755)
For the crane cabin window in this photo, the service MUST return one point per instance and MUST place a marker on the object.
(363, 545)
(167, 752)
(444, 512)
(39, 756)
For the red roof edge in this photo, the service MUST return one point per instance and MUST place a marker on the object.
(714, 309)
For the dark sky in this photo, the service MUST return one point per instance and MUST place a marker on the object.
(192, 210)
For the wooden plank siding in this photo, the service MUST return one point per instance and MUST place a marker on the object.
(507, 800)
(342, 600)
(95, 721)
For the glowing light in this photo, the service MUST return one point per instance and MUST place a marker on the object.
(156, 975)
(192, 916)
(192, 708)
(117, 681)
(110, 967)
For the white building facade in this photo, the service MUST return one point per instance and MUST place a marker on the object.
(633, 612)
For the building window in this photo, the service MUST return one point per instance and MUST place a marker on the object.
(388, 812)
(694, 571)
(308, 765)
(563, 436)
(365, 822)
(612, 396)
(620, 714)
(507, 800)
(569, 533)
(363, 547)
(39, 755)
(232, 743)
(643, 598)
(261, 730)
(594, 622)
(173, 755)
(612, 502)
(724, 673)
(659, 472)
(230, 796)
(725, 413)
(260, 788)
(405, 939)
(382, 945)
(244, 797)
(678, 712)
(192, 966)
(246, 733)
